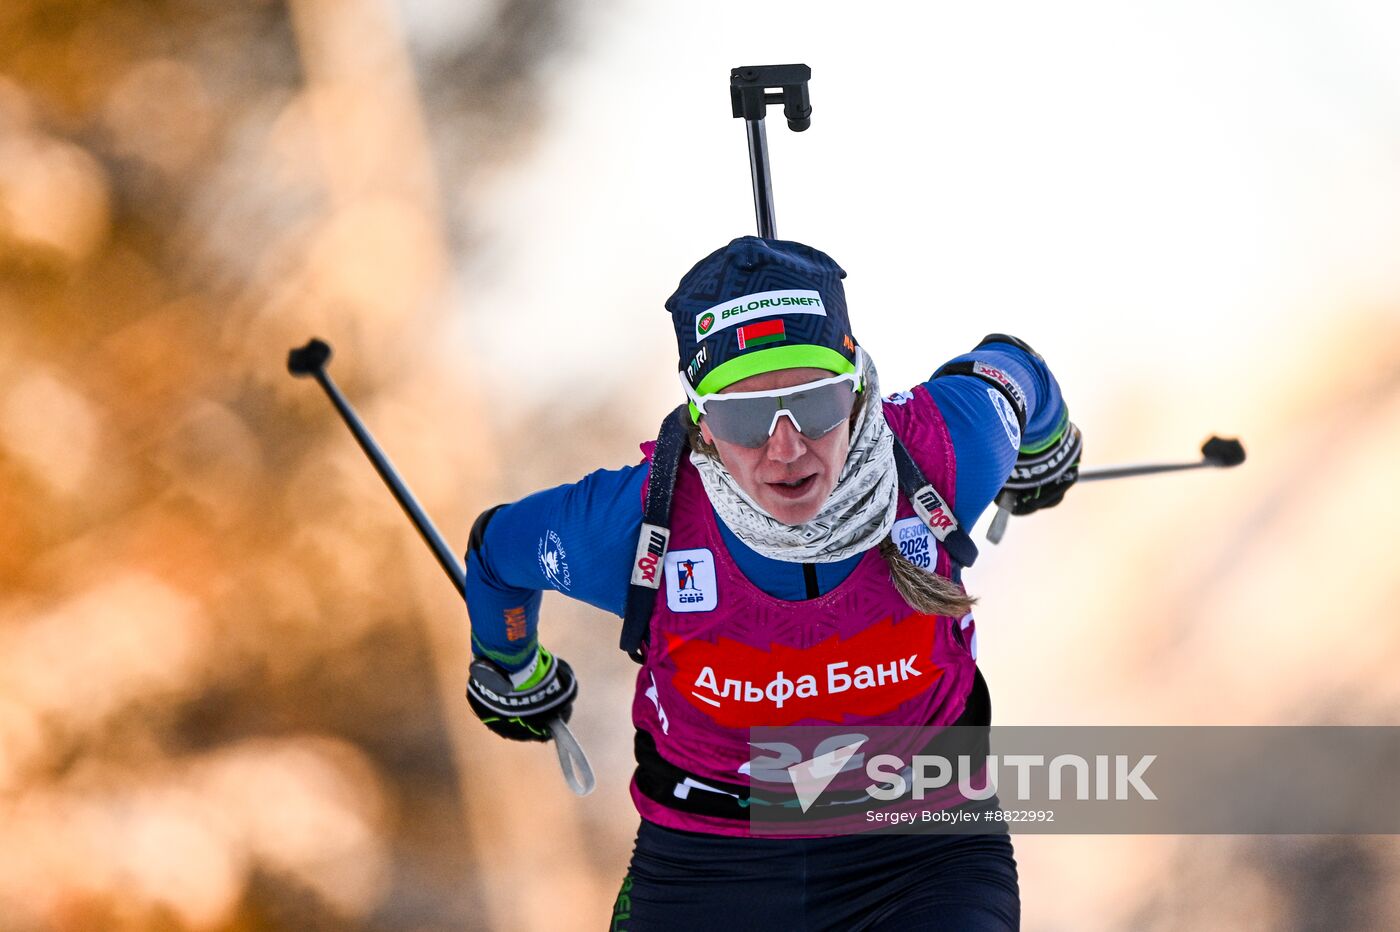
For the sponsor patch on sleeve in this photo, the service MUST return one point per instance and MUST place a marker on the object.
(1002, 379)
(554, 561)
(1008, 417)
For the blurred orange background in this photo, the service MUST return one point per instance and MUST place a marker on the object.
(231, 676)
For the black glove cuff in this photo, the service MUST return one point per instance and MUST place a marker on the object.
(1048, 466)
(516, 728)
(490, 686)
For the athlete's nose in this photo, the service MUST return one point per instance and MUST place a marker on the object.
(786, 443)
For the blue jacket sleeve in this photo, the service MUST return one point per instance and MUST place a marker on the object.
(577, 539)
(984, 446)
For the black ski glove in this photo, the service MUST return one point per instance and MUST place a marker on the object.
(1041, 478)
(522, 713)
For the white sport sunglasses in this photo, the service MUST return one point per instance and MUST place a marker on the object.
(748, 419)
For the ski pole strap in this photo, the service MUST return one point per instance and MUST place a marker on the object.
(935, 511)
(578, 773)
(655, 534)
(997, 379)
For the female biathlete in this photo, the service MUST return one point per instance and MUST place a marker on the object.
(814, 526)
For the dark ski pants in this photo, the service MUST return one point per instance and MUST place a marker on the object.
(681, 880)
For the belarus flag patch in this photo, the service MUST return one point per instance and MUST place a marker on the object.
(763, 332)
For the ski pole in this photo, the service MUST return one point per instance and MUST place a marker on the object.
(310, 360)
(751, 89)
(1217, 453)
